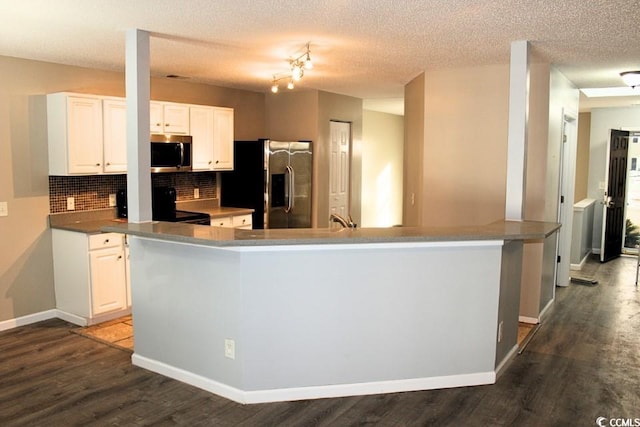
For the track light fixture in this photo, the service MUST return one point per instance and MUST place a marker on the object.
(297, 66)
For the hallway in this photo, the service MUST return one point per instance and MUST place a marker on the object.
(582, 364)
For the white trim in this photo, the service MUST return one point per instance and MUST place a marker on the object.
(546, 308)
(536, 320)
(28, 319)
(582, 263)
(351, 246)
(314, 392)
(503, 364)
(530, 320)
(71, 318)
(187, 377)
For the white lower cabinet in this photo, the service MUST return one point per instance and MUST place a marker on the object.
(90, 275)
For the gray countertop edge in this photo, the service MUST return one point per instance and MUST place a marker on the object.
(228, 237)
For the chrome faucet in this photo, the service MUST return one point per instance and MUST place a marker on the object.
(345, 222)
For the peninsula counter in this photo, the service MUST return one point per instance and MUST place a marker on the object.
(272, 315)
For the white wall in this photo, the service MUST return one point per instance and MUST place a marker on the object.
(382, 159)
(602, 121)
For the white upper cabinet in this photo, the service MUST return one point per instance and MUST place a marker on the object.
(212, 132)
(74, 127)
(115, 135)
(201, 120)
(223, 138)
(88, 133)
(169, 118)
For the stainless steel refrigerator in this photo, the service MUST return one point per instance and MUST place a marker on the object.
(274, 179)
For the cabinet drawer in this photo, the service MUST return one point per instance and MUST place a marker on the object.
(242, 221)
(222, 222)
(105, 240)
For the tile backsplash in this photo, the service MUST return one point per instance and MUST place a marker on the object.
(91, 192)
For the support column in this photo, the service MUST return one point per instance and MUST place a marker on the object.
(518, 121)
(138, 88)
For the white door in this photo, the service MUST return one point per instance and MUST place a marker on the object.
(84, 134)
(115, 135)
(339, 174)
(108, 280)
(176, 119)
(223, 139)
(201, 119)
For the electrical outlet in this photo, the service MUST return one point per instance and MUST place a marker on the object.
(500, 331)
(229, 348)
(196, 193)
(4, 209)
(71, 204)
(112, 200)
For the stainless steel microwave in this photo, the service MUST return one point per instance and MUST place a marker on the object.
(171, 153)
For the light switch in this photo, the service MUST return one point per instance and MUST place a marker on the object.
(112, 200)
(196, 193)
(71, 203)
(4, 209)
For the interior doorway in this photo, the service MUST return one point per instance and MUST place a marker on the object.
(632, 199)
(340, 169)
(614, 203)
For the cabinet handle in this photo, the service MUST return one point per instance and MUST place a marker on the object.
(97, 164)
(217, 161)
(119, 256)
(108, 164)
(158, 124)
(210, 162)
(106, 241)
(244, 220)
(167, 125)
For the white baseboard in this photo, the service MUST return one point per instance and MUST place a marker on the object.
(507, 359)
(314, 392)
(536, 320)
(545, 309)
(582, 263)
(595, 251)
(71, 318)
(530, 320)
(28, 319)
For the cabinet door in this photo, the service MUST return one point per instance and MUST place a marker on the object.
(84, 138)
(242, 221)
(223, 139)
(226, 222)
(176, 119)
(156, 118)
(108, 287)
(115, 135)
(201, 125)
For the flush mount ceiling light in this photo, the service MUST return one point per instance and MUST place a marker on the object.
(297, 66)
(631, 78)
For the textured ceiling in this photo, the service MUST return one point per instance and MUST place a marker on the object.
(365, 48)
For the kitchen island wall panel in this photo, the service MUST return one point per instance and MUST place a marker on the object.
(317, 321)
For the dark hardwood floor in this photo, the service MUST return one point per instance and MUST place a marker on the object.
(582, 364)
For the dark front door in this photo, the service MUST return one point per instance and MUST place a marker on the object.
(614, 198)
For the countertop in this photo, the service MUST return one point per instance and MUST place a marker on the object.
(92, 222)
(226, 237)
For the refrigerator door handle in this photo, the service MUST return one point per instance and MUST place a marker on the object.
(290, 190)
